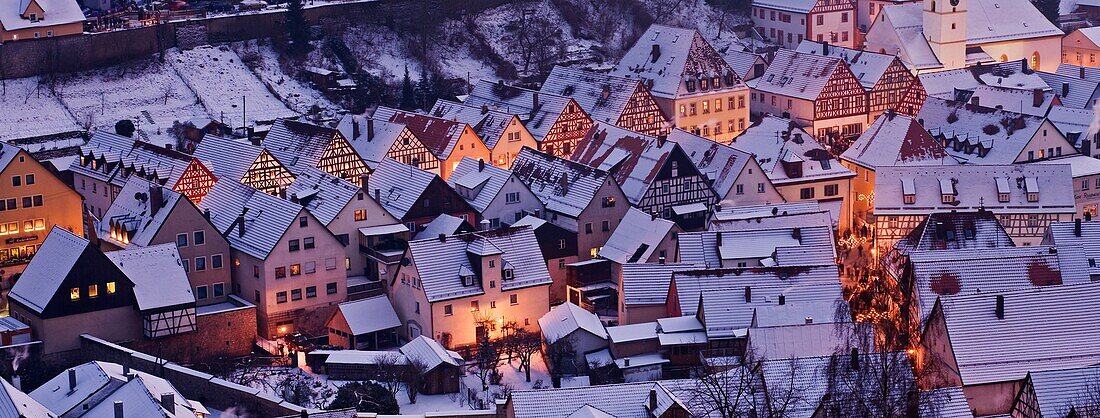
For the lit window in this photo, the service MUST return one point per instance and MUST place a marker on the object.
(360, 214)
(110, 288)
(74, 293)
(295, 269)
(93, 291)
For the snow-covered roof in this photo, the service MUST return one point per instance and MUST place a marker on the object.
(816, 312)
(299, 144)
(47, 270)
(962, 272)
(735, 213)
(1074, 124)
(1065, 238)
(636, 238)
(228, 158)
(809, 379)
(266, 217)
(640, 360)
(678, 324)
(896, 140)
(1080, 165)
(589, 411)
(868, 67)
(798, 74)
(489, 124)
(774, 139)
(720, 163)
(1072, 91)
(539, 111)
(371, 138)
(14, 403)
(1057, 391)
(722, 297)
(633, 159)
(975, 187)
(1044, 328)
(322, 194)
(809, 244)
(100, 384)
(158, 275)
(369, 315)
(604, 96)
(647, 284)
(430, 353)
(797, 341)
(955, 231)
(482, 182)
(796, 6)
(166, 165)
(1015, 100)
(365, 357)
(622, 400)
(564, 186)
(439, 135)
(443, 224)
(632, 332)
(399, 185)
(132, 212)
(441, 263)
(54, 12)
(742, 62)
(667, 58)
(1015, 75)
(566, 318)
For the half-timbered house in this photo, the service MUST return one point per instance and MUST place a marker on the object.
(977, 134)
(579, 198)
(251, 165)
(448, 140)
(1026, 198)
(690, 80)
(798, 166)
(503, 133)
(377, 139)
(788, 23)
(888, 82)
(416, 197)
(298, 145)
(108, 160)
(735, 176)
(1052, 393)
(820, 93)
(609, 99)
(498, 195)
(73, 288)
(655, 174)
(556, 122)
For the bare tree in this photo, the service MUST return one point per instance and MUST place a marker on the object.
(536, 40)
(730, 387)
(167, 90)
(413, 378)
(524, 345)
(487, 360)
(557, 355)
(391, 371)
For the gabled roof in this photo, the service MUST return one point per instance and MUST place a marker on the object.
(896, 140)
(801, 340)
(158, 275)
(132, 211)
(266, 217)
(621, 400)
(443, 224)
(439, 135)
(1079, 93)
(371, 138)
(299, 144)
(47, 270)
(1014, 100)
(774, 139)
(14, 403)
(487, 179)
(399, 186)
(1044, 328)
(816, 312)
(489, 124)
(369, 315)
(868, 67)
(566, 318)
(520, 102)
(681, 55)
(647, 284)
(1074, 124)
(741, 213)
(632, 158)
(721, 164)
(797, 74)
(809, 379)
(430, 353)
(166, 164)
(603, 96)
(564, 186)
(1016, 75)
(322, 194)
(1058, 391)
(442, 263)
(100, 384)
(228, 158)
(1088, 243)
(637, 237)
(785, 241)
(955, 231)
(8, 153)
(975, 187)
(55, 12)
(742, 62)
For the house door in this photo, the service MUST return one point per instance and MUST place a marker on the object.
(482, 333)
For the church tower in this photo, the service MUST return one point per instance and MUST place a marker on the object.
(945, 29)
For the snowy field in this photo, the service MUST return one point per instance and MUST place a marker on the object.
(216, 75)
(147, 92)
(261, 57)
(29, 110)
(381, 52)
(456, 59)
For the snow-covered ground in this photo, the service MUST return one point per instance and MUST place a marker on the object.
(220, 80)
(283, 78)
(456, 59)
(28, 109)
(381, 52)
(147, 92)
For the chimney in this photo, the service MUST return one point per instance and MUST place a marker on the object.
(652, 399)
(168, 402)
(1088, 216)
(480, 165)
(484, 109)
(655, 53)
(1077, 227)
(782, 299)
(72, 380)
(1065, 89)
(606, 92)
(1000, 310)
(156, 198)
(974, 101)
(748, 293)
(442, 237)
(796, 234)
(206, 213)
(118, 410)
(1081, 72)
(855, 359)
(305, 414)
(378, 195)
(17, 382)
(718, 239)
(364, 179)
(661, 260)
(1036, 97)
(240, 225)
(824, 48)
(660, 141)
(168, 147)
(370, 129)
(809, 320)
(354, 129)
(125, 369)
(653, 216)
(534, 102)
(626, 361)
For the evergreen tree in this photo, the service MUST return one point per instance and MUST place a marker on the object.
(297, 28)
(1049, 8)
(408, 93)
(424, 97)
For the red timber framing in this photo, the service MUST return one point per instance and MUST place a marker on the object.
(268, 175)
(571, 126)
(408, 150)
(195, 181)
(1027, 225)
(169, 321)
(643, 115)
(341, 160)
(893, 90)
(842, 96)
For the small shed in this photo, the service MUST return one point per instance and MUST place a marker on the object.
(365, 324)
(444, 367)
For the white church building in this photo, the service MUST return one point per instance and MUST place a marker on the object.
(933, 35)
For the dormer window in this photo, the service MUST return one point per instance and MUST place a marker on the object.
(947, 190)
(704, 84)
(508, 274)
(690, 84)
(1003, 190)
(467, 281)
(908, 191)
(1031, 186)
(34, 17)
